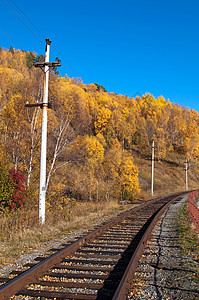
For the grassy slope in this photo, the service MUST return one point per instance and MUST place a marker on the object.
(169, 175)
(189, 240)
(169, 178)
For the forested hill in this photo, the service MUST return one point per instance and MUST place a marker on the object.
(95, 139)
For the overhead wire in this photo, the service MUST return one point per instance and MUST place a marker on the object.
(9, 38)
(65, 60)
(22, 22)
(40, 34)
(27, 18)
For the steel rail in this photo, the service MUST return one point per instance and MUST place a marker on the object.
(14, 285)
(31, 275)
(122, 289)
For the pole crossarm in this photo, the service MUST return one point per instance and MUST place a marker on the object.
(49, 105)
(49, 64)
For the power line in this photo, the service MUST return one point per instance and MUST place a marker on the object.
(28, 19)
(10, 38)
(65, 60)
(23, 22)
(40, 34)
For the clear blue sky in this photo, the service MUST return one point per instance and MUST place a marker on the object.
(128, 46)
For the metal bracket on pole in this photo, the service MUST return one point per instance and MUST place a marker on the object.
(49, 105)
(50, 65)
(46, 63)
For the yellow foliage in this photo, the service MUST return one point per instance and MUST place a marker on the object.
(10, 74)
(88, 147)
(101, 139)
(12, 112)
(103, 119)
(91, 131)
(129, 175)
(95, 150)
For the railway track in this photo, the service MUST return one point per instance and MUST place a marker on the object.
(95, 266)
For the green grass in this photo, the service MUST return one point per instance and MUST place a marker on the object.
(189, 239)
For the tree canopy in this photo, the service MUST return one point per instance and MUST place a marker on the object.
(91, 133)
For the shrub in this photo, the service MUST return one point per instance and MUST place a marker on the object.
(19, 193)
(6, 188)
(12, 189)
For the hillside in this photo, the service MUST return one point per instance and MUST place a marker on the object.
(99, 152)
(169, 175)
(99, 143)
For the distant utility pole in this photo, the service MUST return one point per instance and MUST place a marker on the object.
(152, 167)
(186, 172)
(45, 66)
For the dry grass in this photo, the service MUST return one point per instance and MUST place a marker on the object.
(168, 177)
(20, 233)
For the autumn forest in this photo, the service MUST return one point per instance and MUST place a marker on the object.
(93, 135)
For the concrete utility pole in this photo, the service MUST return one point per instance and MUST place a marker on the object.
(45, 66)
(186, 172)
(42, 187)
(152, 167)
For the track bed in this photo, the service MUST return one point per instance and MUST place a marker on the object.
(96, 266)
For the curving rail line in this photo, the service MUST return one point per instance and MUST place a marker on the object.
(96, 266)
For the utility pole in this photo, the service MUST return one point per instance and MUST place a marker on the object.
(42, 186)
(152, 167)
(186, 172)
(45, 66)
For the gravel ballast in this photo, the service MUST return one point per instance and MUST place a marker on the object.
(163, 272)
